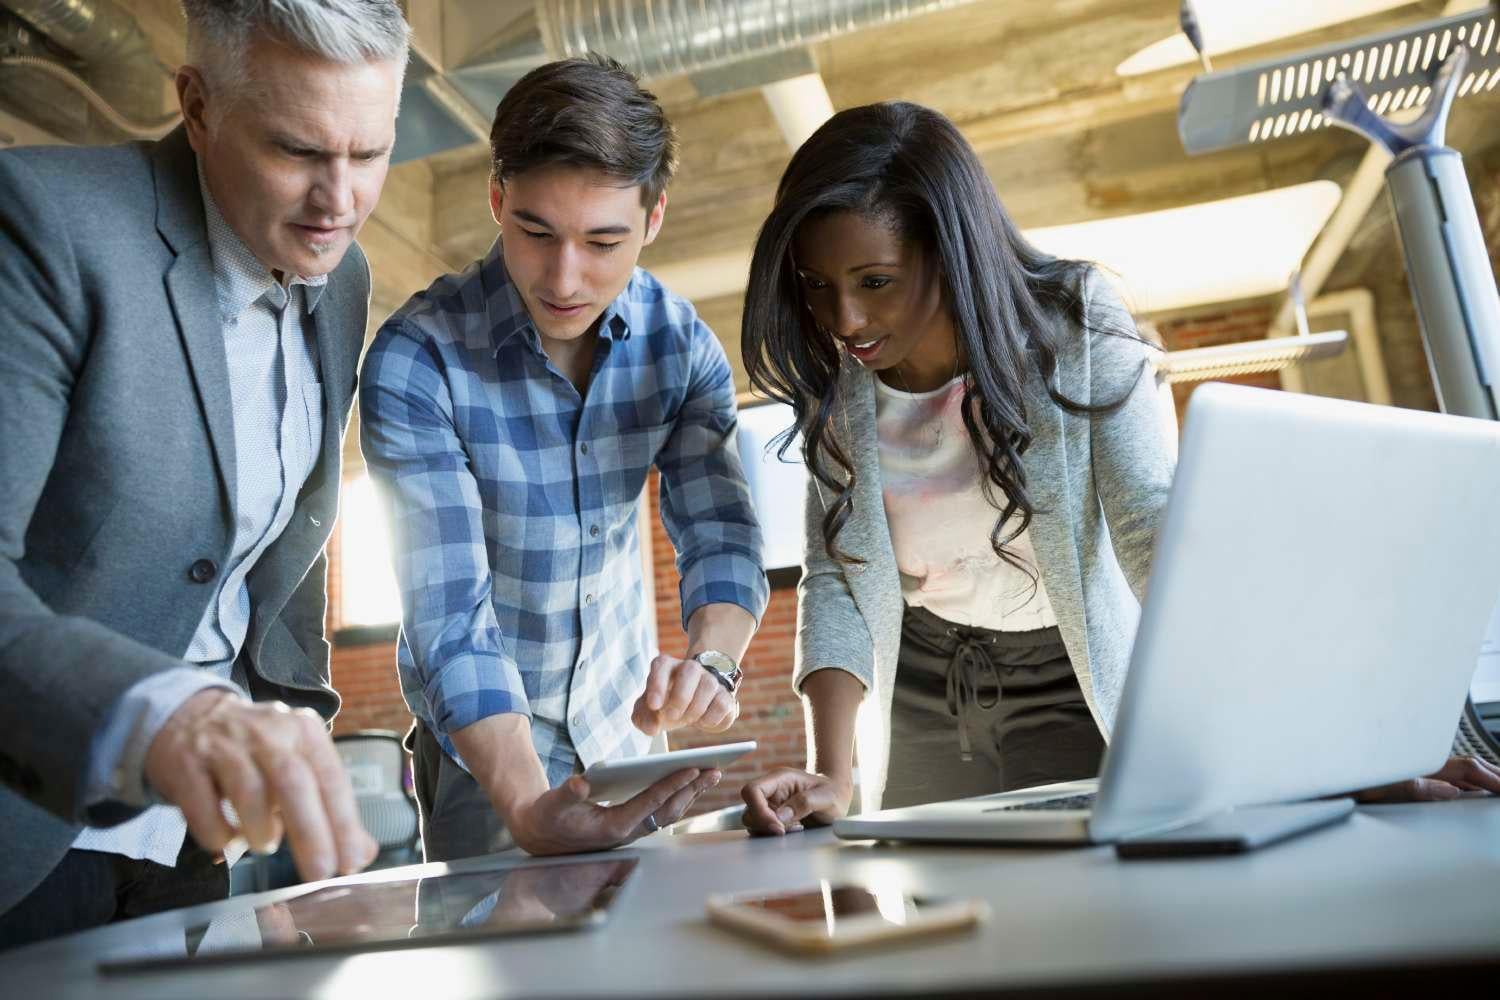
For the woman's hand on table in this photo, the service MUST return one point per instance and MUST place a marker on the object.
(1459, 775)
(783, 800)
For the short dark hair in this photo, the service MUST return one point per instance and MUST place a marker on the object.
(590, 112)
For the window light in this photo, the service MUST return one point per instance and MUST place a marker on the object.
(366, 582)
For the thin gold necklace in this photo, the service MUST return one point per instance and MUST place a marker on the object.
(937, 441)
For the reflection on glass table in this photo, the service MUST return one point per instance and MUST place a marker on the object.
(554, 896)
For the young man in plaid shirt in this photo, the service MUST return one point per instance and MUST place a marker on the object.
(510, 414)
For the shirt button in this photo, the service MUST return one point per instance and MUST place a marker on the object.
(584, 448)
(203, 571)
(594, 531)
(577, 722)
(582, 664)
(588, 598)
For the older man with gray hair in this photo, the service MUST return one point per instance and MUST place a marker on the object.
(181, 322)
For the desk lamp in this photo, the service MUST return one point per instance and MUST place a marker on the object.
(1359, 85)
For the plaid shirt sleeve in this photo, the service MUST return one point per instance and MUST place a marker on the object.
(421, 470)
(705, 503)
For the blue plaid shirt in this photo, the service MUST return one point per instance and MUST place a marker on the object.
(513, 505)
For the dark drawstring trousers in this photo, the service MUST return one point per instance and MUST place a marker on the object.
(976, 711)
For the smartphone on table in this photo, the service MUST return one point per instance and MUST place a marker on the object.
(836, 916)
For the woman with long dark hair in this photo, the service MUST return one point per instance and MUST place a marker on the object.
(989, 460)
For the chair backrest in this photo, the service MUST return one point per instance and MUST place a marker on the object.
(376, 764)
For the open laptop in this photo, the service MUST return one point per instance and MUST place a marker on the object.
(1319, 592)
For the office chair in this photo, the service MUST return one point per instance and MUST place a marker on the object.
(377, 768)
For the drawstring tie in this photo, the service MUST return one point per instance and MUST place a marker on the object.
(971, 659)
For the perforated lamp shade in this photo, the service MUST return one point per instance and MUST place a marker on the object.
(1200, 364)
(1283, 97)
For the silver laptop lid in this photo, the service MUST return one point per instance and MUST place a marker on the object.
(1319, 592)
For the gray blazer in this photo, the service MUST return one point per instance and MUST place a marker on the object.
(117, 471)
(1099, 487)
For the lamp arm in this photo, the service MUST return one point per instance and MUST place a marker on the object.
(1345, 104)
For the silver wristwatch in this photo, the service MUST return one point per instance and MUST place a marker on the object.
(723, 667)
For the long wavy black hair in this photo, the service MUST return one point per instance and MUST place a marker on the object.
(908, 167)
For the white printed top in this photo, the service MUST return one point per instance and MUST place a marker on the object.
(940, 521)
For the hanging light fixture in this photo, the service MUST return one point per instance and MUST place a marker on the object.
(1283, 97)
(1251, 357)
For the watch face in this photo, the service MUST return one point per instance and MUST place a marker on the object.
(722, 667)
(717, 662)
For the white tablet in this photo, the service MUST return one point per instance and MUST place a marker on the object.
(618, 780)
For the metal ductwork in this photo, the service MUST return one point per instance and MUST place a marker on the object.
(668, 37)
(725, 45)
(106, 39)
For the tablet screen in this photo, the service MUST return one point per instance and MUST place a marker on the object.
(407, 912)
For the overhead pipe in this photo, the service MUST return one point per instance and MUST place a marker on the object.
(725, 45)
(666, 37)
(107, 39)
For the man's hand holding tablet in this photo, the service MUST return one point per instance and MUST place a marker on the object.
(644, 794)
(561, 820)
(616, 780)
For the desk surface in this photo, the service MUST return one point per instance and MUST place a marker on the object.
(1395, 887)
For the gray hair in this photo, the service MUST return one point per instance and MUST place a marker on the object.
(347, 31)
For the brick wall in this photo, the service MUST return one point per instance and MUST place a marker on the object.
(1210, 329)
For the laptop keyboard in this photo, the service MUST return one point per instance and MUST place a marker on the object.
(1084, 801)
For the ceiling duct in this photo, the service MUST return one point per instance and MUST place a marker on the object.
(668, 37)
(725, 45)
(115, 52)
